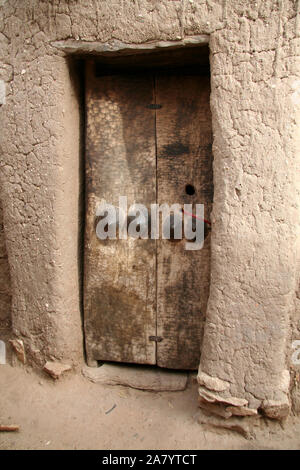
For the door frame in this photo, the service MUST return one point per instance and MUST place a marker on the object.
(111, 55)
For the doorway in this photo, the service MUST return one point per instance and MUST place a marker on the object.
(148, 137)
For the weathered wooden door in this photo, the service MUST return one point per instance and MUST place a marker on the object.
(148, 137)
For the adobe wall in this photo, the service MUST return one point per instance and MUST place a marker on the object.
(5, 288)
(255, 104)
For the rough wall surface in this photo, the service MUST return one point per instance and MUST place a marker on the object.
(5, 289)
(255, 106)
(254, 103)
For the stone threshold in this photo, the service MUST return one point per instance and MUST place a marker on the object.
(136, 376)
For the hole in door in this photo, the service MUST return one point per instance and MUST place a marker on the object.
(148, 133)
(190, 189)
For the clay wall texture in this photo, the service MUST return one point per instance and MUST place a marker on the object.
(253, 310)
(5, 289)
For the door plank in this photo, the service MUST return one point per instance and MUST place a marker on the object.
(119, 275)
(184, 138)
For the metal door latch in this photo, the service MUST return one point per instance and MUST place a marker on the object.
(158, 339)
(154, 106)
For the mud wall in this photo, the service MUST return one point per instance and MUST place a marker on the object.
(5, 287)
(255, 106)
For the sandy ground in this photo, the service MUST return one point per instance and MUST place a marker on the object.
(74, 413)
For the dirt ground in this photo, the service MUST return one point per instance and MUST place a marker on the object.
(74, 413)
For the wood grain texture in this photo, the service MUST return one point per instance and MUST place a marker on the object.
(140, 288)
(119, 280)
(184, 138)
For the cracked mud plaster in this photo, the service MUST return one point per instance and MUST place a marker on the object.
(255, 109)
(5, 286)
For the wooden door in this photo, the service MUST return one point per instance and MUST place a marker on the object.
(120, 275)
(184, 165)
(148, 137)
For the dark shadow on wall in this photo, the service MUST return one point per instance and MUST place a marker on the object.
(5, 286)
(77, 77)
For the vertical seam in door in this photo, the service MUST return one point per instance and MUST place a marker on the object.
(156, 199)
